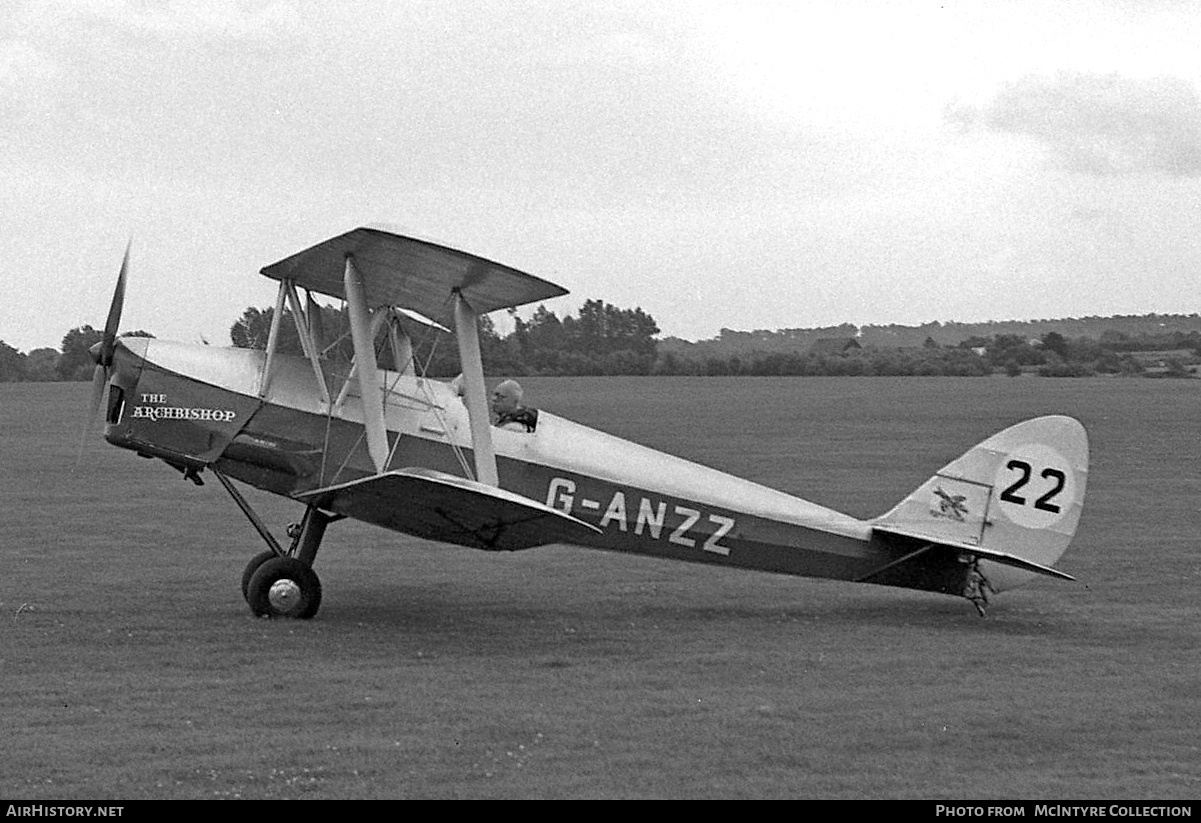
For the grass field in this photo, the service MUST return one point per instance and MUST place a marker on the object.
(130, 666)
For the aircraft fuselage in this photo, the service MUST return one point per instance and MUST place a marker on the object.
(199, 407)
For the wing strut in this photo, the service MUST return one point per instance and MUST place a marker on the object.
(273, 339)
(308, 340)
(364, 358)
(467, 332)
(402, 346)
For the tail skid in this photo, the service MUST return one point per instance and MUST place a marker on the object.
(1009, 506)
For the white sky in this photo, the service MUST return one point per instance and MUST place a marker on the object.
(746, 165)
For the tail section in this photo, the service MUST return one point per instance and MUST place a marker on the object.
(1012, 502)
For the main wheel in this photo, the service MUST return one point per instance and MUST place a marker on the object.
(252, 567)
(284, 587)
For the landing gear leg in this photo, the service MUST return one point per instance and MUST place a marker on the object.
(279, 583)
(308, 533)
(288, 586)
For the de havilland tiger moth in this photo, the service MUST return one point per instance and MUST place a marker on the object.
(422, 456)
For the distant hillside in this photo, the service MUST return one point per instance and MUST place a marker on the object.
(730, 342)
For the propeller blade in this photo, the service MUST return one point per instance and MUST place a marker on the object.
(114, 311)
(103, 352)
(99, 378)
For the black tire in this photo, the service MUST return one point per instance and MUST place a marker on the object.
(284, 587)
(252, 567)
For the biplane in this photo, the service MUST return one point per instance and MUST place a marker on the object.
(392, 447)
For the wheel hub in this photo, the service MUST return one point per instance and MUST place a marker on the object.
(284, 595)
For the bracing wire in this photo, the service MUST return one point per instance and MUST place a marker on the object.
(430, 336)
(459, 453)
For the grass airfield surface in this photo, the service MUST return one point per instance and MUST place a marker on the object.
(131, 667)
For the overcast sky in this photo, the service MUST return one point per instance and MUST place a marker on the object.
(748, 165)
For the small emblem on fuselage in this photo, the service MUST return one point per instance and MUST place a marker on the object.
(951, 506)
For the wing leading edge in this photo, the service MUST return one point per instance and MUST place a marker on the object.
(440, 506)
(415, 274)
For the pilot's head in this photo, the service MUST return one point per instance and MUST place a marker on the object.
(506, 397)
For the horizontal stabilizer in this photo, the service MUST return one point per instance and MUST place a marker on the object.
(411, 273)
(439, 506)
(1004, 558)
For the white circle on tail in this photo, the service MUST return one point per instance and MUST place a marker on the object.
(1035, 486)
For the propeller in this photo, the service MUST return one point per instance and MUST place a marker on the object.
(103, 351)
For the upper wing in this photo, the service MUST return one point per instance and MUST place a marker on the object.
(440, 506)
(411, 273)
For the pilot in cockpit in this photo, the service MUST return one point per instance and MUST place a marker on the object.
(508, 411)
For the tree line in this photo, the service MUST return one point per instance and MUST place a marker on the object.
(603, 339)
(949, 334)
(1052, 355)
(600, 339)
(73, 361)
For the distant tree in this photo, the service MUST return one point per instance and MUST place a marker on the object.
(1056, 366)
(1083, 349)
(499, 355)
(1114, 339)
(601, 339)
(12, 364)
(76, 360)
(1053, 341)
(672, 363)
(40, 365)
(602, 328)
(1108, 362)
(253, 329)
(1007, 347)
(1130, 366)
(963, 363)
(1176, 368)
(542, 341)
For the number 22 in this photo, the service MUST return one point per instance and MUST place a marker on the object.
(1043, 503)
